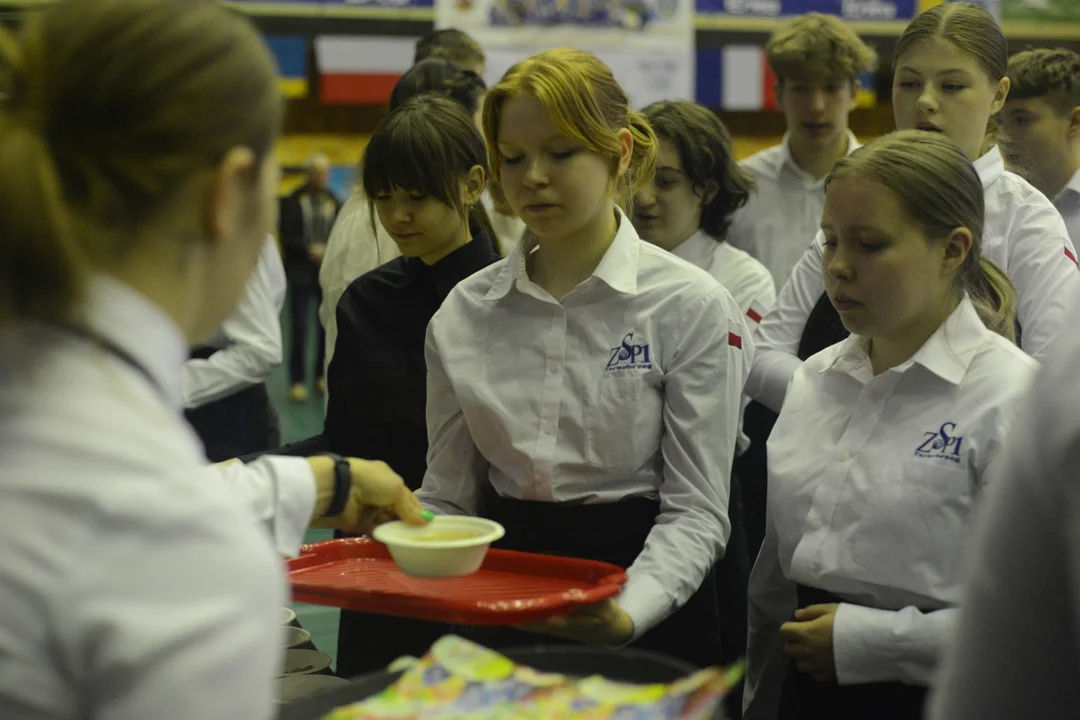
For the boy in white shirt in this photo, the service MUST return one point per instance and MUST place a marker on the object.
(817, 59)
(1041, 120)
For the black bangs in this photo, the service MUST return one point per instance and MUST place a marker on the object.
(407, 152)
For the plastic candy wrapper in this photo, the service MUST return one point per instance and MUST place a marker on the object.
(461, 680)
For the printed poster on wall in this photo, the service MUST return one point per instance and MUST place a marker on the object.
(648, 44)
(865, 10)
(1053, 11)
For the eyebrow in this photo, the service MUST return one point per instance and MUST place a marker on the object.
(669, 168)
(949, 71)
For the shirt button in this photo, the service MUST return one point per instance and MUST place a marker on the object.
(844, 457)
(554, 369)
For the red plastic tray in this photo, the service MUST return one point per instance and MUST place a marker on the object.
(510, 587)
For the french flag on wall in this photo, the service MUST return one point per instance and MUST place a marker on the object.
(735, 77)
(738, 77)
(361, 69)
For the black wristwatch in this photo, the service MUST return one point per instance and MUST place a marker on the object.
(342, 485)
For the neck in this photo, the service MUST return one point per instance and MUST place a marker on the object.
(162, 279)
(896, 349)
(819, 161)
(1056, 180)
(561, 264)
(460, 241)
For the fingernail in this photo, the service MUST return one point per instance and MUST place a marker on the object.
(427, 515)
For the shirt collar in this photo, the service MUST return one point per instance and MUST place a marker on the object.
(947, 354)
(990, 166)
(618, 268)
(118, 313)
(696, 249)
(1071, 188)
(787, 160)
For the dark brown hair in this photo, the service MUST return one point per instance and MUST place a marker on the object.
(704, 147)
(441, 77)
(113, 105)
(427, 145)
(451, 44)
(818, 45)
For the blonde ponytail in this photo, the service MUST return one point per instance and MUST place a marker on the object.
(994, 297)
(42, 270)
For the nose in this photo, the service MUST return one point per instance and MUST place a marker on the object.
(400, 214)
(817, 100)
(927, 102)
(646, 197)
(837, 263)
(535, 174)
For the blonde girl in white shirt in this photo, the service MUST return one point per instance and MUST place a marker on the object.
(950, 78)
(138, 187)
(884, 441)
(585, 391)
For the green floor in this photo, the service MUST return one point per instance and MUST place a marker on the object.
(299, 421)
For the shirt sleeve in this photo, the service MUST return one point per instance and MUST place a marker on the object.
(777, 338)
(702, 392)
(871, 645)
(772, 601)
(1014, 653)
(759, 296)
(1042, 266)
(456, 469)
(182, 624)
(253, 333)
(278, 491)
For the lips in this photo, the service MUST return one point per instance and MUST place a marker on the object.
(844, 302)
(928, 127)
(540, 207)
(817, 127)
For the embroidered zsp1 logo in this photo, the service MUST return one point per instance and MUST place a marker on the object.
(942, 444)
(630, 355)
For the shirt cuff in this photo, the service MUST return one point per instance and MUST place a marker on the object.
(646, 602)
(864, 648)
(295, 501)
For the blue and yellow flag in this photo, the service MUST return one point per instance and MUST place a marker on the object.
(291, 54)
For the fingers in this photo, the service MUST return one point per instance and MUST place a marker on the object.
(792, 631)
(814, 611)
(409, 509)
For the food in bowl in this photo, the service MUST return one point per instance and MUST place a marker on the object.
(448, 546)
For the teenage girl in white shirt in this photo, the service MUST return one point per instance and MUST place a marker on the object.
(950, 78)
(585, 391)
(137, 581)
(884, 441)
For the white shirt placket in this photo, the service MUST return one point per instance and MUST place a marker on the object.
(551, 397)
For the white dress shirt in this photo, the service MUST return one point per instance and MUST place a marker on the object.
(871, 485)
(137, 582)
(250, 339)
(783, 212)
(1068, 204)
(1015, 652)
(748, 281)
(629, 386)
(1024, 235)
(354, 249)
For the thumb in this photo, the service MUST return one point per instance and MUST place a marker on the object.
(409, 509)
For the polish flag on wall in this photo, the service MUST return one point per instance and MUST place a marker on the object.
(361, 69)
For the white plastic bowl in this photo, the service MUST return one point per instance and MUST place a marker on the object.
(295, 636)
(287, 616)
(432, 550)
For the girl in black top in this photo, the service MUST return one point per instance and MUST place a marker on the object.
(425, 169)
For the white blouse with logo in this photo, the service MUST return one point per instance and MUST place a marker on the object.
(1024, 235)
(872, 480)
(628, 386)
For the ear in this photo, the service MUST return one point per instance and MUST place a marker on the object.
(1073, 132)
(957, 247)
(475, 182)
(710, 193)
(856, 88)
(228, 184)
(626, 150)
(1000, 95)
